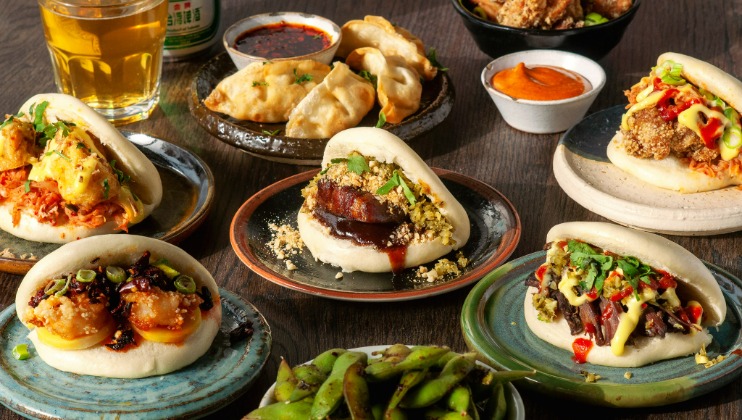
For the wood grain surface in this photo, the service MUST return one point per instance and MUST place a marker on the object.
(474, 140)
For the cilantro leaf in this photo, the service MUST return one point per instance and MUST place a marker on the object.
(370, 77)
(396, 181)
(357, 164)
(120, 175)
(10, 119)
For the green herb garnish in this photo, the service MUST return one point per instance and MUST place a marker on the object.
(106, 188)
(120, 175)
(356, 164)
(432, 57)
(368, 76)
(597, 266)
(306, 77)
(27, 186)
(271, 133)
(594, 19)
(261, 83)
(670, 72)
(397, 181)
(10, 119)
(58, 153)
(382, 120)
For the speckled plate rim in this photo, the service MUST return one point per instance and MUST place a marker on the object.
(294, 150)
(220, 376)
(499, 296)
(241, 246)
(584, 172)
(167, 156)
(516, 409)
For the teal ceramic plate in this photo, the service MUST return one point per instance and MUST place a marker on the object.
(516, 409)
(493, 325)
(188, 191)
(33, 389)
(495, 232)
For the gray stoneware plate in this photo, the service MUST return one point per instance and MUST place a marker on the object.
(255, 138)
(586, 175)
(34, 389)
(495, 232)
(494, 326)
(188, 192)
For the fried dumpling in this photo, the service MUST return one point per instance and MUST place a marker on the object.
(266, 91)
(339, 102)
(377, 32)
(398, 86)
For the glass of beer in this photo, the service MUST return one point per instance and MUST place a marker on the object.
(108, 53)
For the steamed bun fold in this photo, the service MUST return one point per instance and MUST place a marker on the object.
(339, 102)
(266, 91)
(398, 86)
(377, 32)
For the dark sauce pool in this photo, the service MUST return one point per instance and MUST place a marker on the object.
(283, 39)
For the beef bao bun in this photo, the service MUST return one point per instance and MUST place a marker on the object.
(682, 128)
(85, 322)
(67, 173)
(377, 207)
(654, 301)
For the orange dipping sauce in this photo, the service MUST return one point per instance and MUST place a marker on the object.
(540, 83)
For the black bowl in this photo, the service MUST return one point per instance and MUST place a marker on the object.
(592, 41)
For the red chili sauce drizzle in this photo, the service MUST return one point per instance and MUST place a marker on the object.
(376, 234)
(282, 40)
(581, 347)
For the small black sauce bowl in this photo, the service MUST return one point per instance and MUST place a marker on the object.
(496, 40)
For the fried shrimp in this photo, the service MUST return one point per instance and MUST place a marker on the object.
(70, 317)
(158, 308)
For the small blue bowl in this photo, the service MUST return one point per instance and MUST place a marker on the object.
(591, 41)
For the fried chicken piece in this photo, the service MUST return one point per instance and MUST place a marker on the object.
(522, 13)
(490, 7)
(562, 14)
(610, 9)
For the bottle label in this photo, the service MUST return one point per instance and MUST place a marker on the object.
(191, 23)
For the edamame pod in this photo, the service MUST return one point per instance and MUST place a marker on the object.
(409, 379)
(326, 359)
(330, 393)
(282, 411)
(419, 358)
(285, 381)
(459, 399)
(497, 405)
(433, 390)
(355, 391)
(308, 380)
(395, 353)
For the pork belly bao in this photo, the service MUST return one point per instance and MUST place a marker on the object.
(621, 297)
(119, 306)
(67, 173)
(377, 207)
(681, 130)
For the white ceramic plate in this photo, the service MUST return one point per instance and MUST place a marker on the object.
(584, 172)
(516, 409)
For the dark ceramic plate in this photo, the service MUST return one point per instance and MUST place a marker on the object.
(253, 137)
(187, 188)
(35, 390)
(495, 232)
(591, 41)
(494, 326)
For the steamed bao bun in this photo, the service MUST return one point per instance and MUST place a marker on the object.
(383, 147)
(695, 282)
(147, 358)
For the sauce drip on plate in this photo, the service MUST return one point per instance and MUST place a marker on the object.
(540, 83)
(282, 40)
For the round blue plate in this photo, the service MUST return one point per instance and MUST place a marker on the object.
(34, 389)
(494, 326)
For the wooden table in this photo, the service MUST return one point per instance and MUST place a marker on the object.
(474, 141)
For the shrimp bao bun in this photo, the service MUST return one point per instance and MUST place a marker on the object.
(66, 173)
(377, 207)
(620, 297)
(121, 306)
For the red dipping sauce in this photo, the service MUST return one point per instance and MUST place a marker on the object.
(282, 40)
